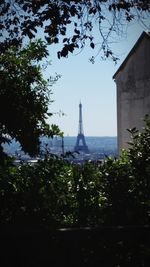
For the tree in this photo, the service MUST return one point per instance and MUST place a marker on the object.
(56, 193)
(23, 18)
(24, 96)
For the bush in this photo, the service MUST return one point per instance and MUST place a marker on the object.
(56, 193)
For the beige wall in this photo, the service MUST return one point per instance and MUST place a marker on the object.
(133, 92)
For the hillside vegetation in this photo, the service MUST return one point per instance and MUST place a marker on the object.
(55, 193)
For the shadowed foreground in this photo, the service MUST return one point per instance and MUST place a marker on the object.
(106, 246)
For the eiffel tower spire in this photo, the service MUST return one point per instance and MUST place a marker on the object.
(80, 143)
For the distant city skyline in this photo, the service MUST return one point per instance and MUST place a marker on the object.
(92, 84)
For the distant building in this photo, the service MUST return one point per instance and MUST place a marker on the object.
(133, 89)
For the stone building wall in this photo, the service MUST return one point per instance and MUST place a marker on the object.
(133, 91)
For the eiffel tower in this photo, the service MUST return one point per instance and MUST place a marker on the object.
(80, 143)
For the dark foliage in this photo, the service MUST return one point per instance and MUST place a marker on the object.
(24, 97)
(56, 18)
(55, 193)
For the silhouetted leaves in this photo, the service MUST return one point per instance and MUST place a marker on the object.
(77, 31)
(23, 18)
(66, 49)
(92, 45)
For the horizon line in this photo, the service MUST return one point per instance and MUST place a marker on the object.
(92, 136)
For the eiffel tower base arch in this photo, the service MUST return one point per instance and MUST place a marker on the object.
(81, 144)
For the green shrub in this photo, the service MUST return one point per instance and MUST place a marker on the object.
(56, 193)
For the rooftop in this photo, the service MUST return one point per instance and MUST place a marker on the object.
(142, 36)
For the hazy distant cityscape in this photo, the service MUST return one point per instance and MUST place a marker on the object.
(99, 147)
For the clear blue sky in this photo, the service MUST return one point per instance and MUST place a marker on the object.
(92, 84)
